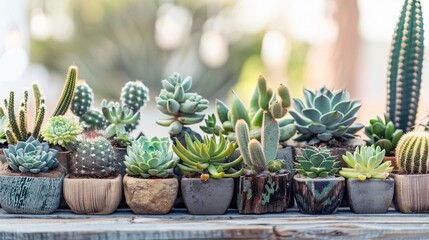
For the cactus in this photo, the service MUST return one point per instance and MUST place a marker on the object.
(134, 95)
(366, 163)
(263, 99)
(412, 153)
(149, 158)
(93, 118)
(83, 98)
(31, 156)
(93, 157)
(68, 92)
(207, 158)
(326, 116)
(61, 130)
(180, 106)
(118, 116)
(383, 134)
(3, 126)
(405, 66)
(316, 162)
(260, 157)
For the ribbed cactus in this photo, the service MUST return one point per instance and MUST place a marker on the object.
(68, 92)
(405, 66)
(412, 153)
(83, 98)
(263, 99)
(17, 130)
(134, 95)
(93, 156)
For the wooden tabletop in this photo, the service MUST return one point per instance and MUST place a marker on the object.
(179, 225)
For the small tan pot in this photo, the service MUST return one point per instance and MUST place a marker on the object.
(411, 193)
(93, 196)
(150, 196)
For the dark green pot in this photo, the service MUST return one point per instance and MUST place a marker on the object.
(318, 195)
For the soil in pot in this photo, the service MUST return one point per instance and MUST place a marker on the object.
(411, 193)
(30, 193)
(207, 197)
(93, 195)
(150, 196)
(371, 195)
(318, 195)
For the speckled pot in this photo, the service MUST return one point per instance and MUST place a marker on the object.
(370, 196)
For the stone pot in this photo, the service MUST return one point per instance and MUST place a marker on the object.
(207, 197)
(150, 196)
(411, 193)
(370, 196)
(263, 194)
(318, 195)
(31, 193)
(93, 195)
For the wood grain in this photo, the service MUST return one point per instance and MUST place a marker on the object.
(411, 193)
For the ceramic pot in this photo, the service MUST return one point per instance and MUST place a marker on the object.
(411, 193)
(371, 195)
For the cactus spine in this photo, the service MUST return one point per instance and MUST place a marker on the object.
(405, 66)
(134, 95)
(412, 153)
(68, 92)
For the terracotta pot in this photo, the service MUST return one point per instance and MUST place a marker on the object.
(318, 195)
(263, 194)
(31, 193)
(207, 197)
(371, 195)
(91, 195)
(411, 193)
(150, 196)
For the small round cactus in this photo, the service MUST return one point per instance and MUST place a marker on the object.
(82, 100)
(93, 119)
(61, 130)
(412, 153)
(134, 95)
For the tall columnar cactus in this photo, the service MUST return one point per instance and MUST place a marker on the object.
(412, 153)
(263, 99)
(68, 92)
(93, 157)
(405, 66)
(180, 106)
(17, 130)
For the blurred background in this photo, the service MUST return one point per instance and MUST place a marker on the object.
(222, 44)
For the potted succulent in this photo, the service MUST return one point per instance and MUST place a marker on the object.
(318, 189)
(369, 187)
(385, 135)
(61, 131)
(411, 173)
(208, 173)
(32, 182)
(93, 186)
(149, 186)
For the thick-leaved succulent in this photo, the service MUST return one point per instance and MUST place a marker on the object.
(316, 162)
(61, 130)
(383, 134)
(119, 116)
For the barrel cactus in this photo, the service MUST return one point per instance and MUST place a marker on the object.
(325, 116)
(31, 156)
(61, 130)
(383, 134)
(412, 153)
(314, 162)
(94, 156)
(149, 158)
(366, 163)
(181, 107)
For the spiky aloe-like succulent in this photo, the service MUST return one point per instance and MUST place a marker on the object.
(181, 107)
(263, 100)
(412, 153)
(149, 158)
(93, 156)
(61, 130)
(31, 156)
(134, 95)
(325, 116)
(404, 72)
(119, 116)
(366, 163)
(207, 158)
(383, 134)
(316, 162)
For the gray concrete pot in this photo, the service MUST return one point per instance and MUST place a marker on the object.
(211, 197)
(371, 195)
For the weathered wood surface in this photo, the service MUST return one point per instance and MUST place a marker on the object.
(180, 225)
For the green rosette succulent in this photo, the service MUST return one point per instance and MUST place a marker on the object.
(119, 116)
(383, 134)
(149, 158)
(61, 130)
(325, 116)
(316, 162)
(366, 162)
(31, 156)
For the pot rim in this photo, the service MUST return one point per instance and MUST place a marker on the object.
(210, 179)
(98, 179)
(409, 175)
(390, 178)
(148, 179)
(259, 176)
(299, 177)
(63, 175)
